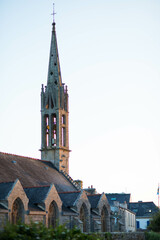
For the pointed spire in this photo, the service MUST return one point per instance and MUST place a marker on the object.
(54, 72)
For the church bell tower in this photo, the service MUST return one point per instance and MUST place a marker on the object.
(54, 113)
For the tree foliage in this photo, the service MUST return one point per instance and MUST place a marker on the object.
(155, 223)
(152, 236)
(37, 231)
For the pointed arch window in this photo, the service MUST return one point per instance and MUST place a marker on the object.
(52, 105)
(47, 103)
(52, 214)
(17, 213)
(83, 217)
(104, 220)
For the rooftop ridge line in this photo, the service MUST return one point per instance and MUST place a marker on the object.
(70, 192)
(98, 194)
(38, 186)
(16, 155)
(9, 181)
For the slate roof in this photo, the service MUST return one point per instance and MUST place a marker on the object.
(143, 209)
(34, 207)
(37, 194)
(94, 199)
(68, 211)
(119, 197)
(5, 188)
(69, 198)
(2, 207)
(32, 172)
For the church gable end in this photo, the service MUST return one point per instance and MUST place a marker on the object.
(15, 200)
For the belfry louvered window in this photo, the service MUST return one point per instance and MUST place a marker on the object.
(63, 130)
(54, 130)
(46, 130)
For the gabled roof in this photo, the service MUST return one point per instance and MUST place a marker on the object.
(94, 200)
(5, 188)
(37, 194)
(69, 198)
(32, 172)
(143, 209)
(119, 197)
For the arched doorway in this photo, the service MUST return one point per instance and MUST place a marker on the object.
(104, 219)
(83, 216)
(17, 211)
(52, 214)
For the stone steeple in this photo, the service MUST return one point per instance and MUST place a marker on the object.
(54, 113)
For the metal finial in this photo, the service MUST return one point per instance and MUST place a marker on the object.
(53, 14)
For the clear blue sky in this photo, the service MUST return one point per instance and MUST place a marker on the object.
(110, 59)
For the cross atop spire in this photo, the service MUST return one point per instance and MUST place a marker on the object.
(53, 14)
(54, 72)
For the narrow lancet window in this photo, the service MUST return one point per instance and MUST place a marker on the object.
(63, 119)
(63, 136)
(47, 130)
(52, 215)
(17, 211)
(83, 217)
(63, 130)
(54, 130)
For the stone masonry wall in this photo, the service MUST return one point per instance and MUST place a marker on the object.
(36, 218)
(3, 219)
(128, 236)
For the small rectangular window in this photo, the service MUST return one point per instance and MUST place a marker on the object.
(113, 199)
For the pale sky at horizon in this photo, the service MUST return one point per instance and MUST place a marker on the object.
(110, 59)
